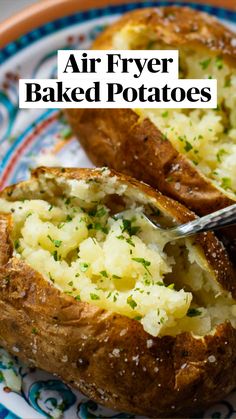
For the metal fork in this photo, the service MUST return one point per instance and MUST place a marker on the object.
(214, 221)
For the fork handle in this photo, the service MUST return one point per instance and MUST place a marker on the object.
(221, 218)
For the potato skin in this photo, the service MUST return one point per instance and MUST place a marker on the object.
(156, 377)
(179, 26)
(118, 139)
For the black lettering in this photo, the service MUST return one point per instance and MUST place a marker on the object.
(33, 89)
(93, 93)
(206, 92)
(165, 91)
(113, 89)
(75, 93)
(50, 94)
(130, 94)
(178, 94)
(152, 63)
(111, 63)
(72, 64)
(165, 62)
(192, 91)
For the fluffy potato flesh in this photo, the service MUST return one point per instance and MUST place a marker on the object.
(66, 230)
(206, 136)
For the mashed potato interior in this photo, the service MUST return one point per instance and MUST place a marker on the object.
(123, 265)
(206, 136)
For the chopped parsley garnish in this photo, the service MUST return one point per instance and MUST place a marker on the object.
(57, 243)
(131, 302)
(220, 154)
(226, 183)
(147, 281)
(68, 201)
(66, 133)
(83, 266)
(50, 277)
(171, 286)
(34, 330)
(116, 276)
(94, 296)
(193, 312)
(98, 227)
(101, 212)
(228, 82)
(120, 237)
(219, 62)
(165, 114)
(143, 262)
(205, 63)
(17, 244)
(92, 212)
(129, 241)
(55, 255)
(50, 208)
(127, 227)
(188, 146)
(104, 273)
(77, 298)
(138, 318)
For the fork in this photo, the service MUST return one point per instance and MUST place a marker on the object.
(214, 221)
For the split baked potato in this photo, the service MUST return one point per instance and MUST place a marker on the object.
(107, 303)
(188, 154)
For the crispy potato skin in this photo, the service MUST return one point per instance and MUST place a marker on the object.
(117, 138)
(174, 376)
(179, 26)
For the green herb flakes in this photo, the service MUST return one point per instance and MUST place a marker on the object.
(83, 266)
(143, 262)
(193, 312)
(205, 63)
(104, 273)
(131, 302)
(94, 296)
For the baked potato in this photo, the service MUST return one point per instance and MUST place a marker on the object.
(107, 303)
(188, 154)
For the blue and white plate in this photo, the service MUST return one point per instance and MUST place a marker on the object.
(29, 138)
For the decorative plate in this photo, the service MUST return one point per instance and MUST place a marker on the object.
(29, 138)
